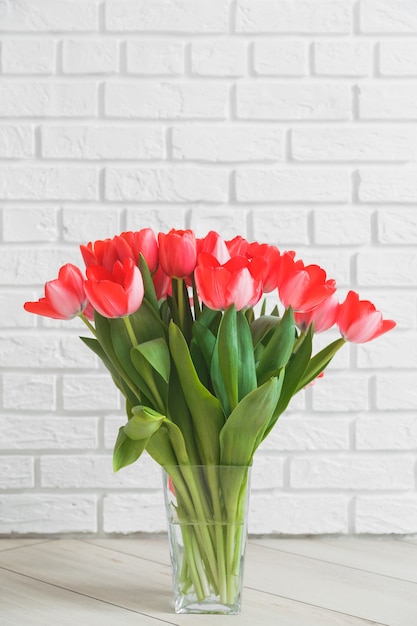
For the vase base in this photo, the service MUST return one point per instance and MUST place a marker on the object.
(207, 607)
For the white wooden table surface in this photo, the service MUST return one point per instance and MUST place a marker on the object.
(288, 582)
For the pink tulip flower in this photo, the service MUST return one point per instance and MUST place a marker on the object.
(359, 321)
(117, 293)
(132, 244)
(305, 287)
(65, 296)
(177, 252)
(220, 286)
(323, 316)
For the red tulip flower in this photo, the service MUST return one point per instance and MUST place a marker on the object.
(268, 259)
(162, 284)
(101, 252)
(323, 316)
(359, 321)
(117, 293)
(305, 287)
(65, 296)
(220, 286)
(133, 244)
(177, 252)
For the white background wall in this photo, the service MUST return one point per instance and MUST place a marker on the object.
(288, 121)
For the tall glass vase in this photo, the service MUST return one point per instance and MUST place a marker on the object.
(207, 509)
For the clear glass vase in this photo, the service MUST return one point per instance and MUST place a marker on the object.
(207, 509)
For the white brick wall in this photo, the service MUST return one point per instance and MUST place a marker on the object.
(287, 121)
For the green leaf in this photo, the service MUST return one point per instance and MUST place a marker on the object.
(294, 372)
(205, 409)
(126, 450)
(156, 352)
(245, 426)
(143, 423)
(236, 356)
(148, 285)
(261, 327)
(319, 362)
(279, 348)
(147, 324)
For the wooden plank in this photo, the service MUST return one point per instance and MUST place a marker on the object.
(12, 543)
(144, 586)
(367, 595)
(28, 602)
(389, 557)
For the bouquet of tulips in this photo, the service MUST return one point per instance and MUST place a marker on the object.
(205, 372)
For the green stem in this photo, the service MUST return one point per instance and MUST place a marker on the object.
(130, 331)
(88, 323)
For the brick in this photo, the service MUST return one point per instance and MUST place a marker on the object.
(396, 392)
(280, 58)
(398, 58)
(132, 513)
(219, 58)
(388, 101)
(174, 100)
(159, 217)
(282, 226)
(293, 101)
(388, 184)
(16, 472)
(387, 433)
(28, 56)
(397, 225)
(293, 16)
(353, 144)
(164, 58)
(406, 314)
(287, 184)
(16, 142)
(96, 471)
(29, 392)
(166, 184)
(333, 227)
(47, 99)
(182, 16)
(267, 472)
(29, 266)
(295, 433)
(352, 471)
(89, 393)
(386, 514)
(48, 183)
(289, 514)
(343, 58)
(46, 350)
(12, 314)
(35, 223)
(335, 394)
(384, 16)
(227, 143)
(50, 15)
(384, 269)
(227, 221)
(89, 56)
(102, 142)
(48, 433)
(390, 350)
(48, 513)
(83, 224)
